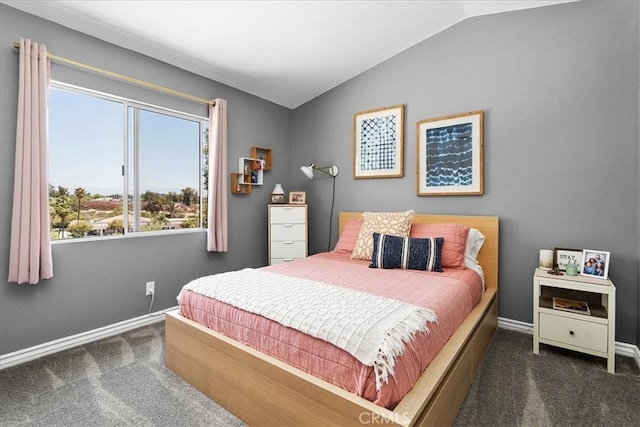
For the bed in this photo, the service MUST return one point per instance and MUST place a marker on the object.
(262, 390)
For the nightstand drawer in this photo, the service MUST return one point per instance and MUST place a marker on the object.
(288, 249)
(579, 333)
(288, 214)
(288, 231)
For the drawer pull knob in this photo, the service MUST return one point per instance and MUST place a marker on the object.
(571, 333)
(287, 259)
(290, 242)
(287, 225)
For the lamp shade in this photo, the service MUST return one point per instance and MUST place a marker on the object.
(332, 170)
(307, 171)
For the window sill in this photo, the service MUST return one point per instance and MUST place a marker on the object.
(132, 235)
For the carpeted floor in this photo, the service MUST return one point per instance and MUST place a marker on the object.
(122, 381)
(558, 387)
(117, 381)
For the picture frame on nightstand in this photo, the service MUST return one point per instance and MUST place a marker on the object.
(595, 263)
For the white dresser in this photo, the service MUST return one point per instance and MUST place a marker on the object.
(287, 233)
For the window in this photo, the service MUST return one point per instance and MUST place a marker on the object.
(114, 162)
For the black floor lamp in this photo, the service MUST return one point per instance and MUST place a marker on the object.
(332, 171)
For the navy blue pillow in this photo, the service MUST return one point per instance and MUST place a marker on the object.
(408, 253)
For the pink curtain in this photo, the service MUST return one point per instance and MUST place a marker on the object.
(30, 251)
(217, 238)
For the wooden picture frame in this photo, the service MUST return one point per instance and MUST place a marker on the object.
(450, 155)
(562, 256)
(595, 263)
(297, 197)
(378, 143)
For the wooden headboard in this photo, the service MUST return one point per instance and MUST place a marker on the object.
(488, 225)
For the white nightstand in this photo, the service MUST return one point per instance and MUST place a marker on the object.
(287, 233)
(592, 334)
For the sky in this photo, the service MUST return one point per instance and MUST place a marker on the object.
(86, 146)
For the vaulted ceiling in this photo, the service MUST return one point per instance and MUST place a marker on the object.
(287, 52)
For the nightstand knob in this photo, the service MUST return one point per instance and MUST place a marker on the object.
(571, 333)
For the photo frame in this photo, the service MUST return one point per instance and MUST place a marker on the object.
(450, 155)
(297, 197)
(562, 256)
(378, 143)
(595, 263)
(277, 199)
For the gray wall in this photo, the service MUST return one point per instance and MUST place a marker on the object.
(102, 282)
(559, 88)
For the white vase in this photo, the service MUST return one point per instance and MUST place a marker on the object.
(277, 189)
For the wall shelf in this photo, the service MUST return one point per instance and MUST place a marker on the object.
(240, 183)
(251, 170)
(263, 154)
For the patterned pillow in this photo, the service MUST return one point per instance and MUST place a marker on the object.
(348, 237)
(455, 241)
(406, 253)
(395, 223)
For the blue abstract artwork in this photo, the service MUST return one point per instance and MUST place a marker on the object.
(449, 155)
(378, 144)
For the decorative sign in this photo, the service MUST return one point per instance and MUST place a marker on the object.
(567, 256)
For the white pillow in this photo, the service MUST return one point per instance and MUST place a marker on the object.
(475, 240)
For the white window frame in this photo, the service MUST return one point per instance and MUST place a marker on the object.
(126, 163)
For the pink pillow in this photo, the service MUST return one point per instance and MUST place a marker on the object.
(349, 236)
(455, 240)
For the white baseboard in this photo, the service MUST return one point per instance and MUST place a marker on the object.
(623, 349)
(47, 348)
(44, 349)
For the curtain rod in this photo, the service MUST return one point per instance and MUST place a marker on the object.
(125, 78)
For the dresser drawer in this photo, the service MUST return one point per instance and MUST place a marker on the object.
(579, 333)
(288, 249)
(288, 214)
(289, 231)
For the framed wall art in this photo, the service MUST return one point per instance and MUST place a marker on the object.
(595, 263)
(563, 256)
(378, 143)
(450, 155)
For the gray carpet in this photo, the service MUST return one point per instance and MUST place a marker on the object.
(122, 381)
(117, 381)
(557, 387)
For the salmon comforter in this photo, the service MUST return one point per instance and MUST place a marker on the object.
(451, 295)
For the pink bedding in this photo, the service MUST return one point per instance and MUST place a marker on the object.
(451, 295)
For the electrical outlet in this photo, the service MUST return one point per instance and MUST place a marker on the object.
(151, 288)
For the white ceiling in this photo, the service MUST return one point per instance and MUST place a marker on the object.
(285, 51)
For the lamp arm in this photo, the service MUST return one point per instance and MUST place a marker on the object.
(332, 170)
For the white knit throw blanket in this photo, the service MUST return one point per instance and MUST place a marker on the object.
(371, 328)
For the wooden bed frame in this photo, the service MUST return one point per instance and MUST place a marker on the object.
(261, 390)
